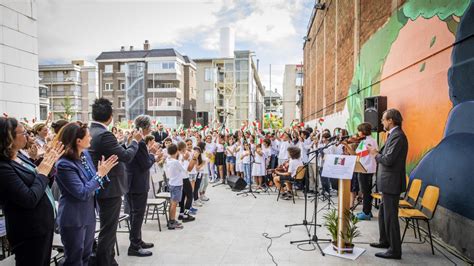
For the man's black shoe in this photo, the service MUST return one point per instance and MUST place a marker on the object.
(139, 252)
(379, 245)
(187, 218)
(386, 255)
(146, 245)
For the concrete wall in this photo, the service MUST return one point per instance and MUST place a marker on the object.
(289, 95)
(19, 95)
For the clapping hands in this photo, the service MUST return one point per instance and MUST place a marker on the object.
(55, 152)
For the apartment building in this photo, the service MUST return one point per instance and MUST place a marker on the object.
(157, 82)
(229, 89)
(70, 89)
(292, 88)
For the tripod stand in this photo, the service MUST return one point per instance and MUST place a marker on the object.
(314, 238)
(250, 191)
(306, 177)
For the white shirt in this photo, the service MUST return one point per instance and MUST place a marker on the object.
(230, 151)
(275, 147)
(305, 147)
(293, 166)
(369, 162)
(283, 153)
(219, 147)
(175, 172)
(211, 147)
(246, 159)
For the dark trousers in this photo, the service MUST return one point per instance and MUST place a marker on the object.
(273, 162)
(197, 185)
(77, 241)
(325, 183)
(187, 198)
(365, 184)
(109, 212)
(389, 226)
(34, 251)
(137, 213)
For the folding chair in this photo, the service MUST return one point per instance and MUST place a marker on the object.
(299, 177)
(425, 212)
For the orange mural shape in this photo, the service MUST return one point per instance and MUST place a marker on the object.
(420, 90)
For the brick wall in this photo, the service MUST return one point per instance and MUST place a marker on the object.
(329, 54)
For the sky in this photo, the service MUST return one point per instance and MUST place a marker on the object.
(82, 29)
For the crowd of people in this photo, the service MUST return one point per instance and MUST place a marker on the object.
(61, 176)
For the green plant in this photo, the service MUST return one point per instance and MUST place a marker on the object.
(331, 223)
(352, 230)
(68, 112)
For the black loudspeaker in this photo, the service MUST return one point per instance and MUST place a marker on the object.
(373, 111)
(236, 183)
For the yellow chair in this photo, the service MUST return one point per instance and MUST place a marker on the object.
(425, 213)
(378, 195)
(412, 196)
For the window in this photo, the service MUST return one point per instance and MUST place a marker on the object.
(121, 103)
(208, 96)
(299, 79)
(122, 68)
(167, 65)
(166, 85)
(122, 86)
(207, 74)
(108, 68)
(170, 103)
(43, 112)
(108, 87)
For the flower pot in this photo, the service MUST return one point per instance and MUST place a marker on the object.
(349, 248)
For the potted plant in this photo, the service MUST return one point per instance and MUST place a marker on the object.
(331, 223)
(351, 232)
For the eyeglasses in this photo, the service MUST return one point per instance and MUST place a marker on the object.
(24, 133)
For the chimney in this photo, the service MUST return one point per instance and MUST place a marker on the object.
(131, 47)
(146, 45)
(122, 48)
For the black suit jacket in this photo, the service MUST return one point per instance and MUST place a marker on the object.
(28, 211)
(391, 161)
(160, 136)
(139, 170)
(105, 144)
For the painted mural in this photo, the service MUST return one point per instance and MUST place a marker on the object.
(422, 59)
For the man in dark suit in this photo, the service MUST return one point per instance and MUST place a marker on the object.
(105, 144)
(160, 135)
(391, 183)
(139, 175)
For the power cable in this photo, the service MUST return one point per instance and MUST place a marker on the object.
(271, 242)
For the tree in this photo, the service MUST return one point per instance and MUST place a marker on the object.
(272, 121)
(68, 112)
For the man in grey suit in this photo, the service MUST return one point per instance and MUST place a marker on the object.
(109, 199)
(391, 183)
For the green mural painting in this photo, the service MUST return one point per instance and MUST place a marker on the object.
(376, 70)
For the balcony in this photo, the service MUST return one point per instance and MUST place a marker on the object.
(49, 80)
(174, 90)
(63, 94)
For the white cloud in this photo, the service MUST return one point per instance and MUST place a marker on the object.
(74, 29)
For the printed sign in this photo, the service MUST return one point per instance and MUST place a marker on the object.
(339, 166)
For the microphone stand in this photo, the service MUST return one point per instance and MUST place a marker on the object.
(250, 191)
(314, 237)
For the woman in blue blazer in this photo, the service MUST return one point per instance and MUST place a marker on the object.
(78, 181)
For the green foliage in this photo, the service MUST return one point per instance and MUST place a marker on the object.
(331, 223)
(68, 112)
(422, 67)
(430, 8)
(352, 230)
(273, 122)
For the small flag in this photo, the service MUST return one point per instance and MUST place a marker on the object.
(339, 161)
(362, 150)
(321, 121)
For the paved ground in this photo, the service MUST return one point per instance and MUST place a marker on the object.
(228, 231)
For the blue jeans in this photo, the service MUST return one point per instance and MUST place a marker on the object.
(247, 173)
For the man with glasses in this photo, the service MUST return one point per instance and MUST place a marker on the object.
(391, 183)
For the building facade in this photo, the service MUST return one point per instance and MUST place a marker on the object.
(157, 82)
(292, 87)
(273, 103)
(418, 54)
(19, 59)
(71, 88)
(229, 90)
